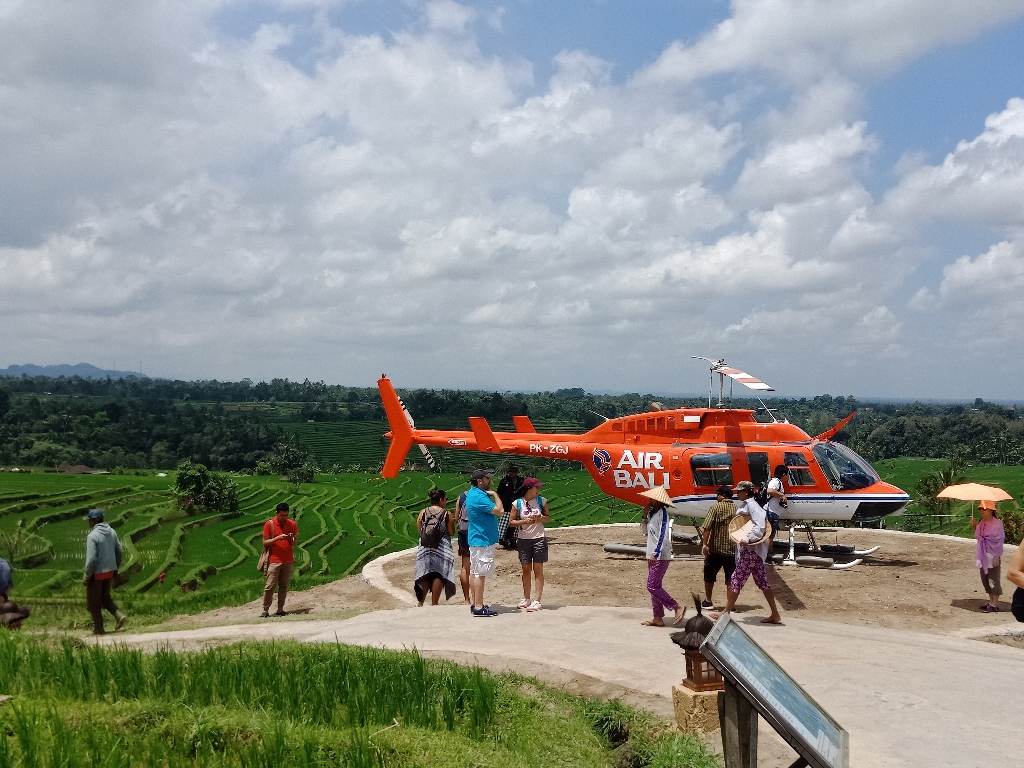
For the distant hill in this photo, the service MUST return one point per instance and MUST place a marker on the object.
(84, 370)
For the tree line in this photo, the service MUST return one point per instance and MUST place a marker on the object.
(137, 423)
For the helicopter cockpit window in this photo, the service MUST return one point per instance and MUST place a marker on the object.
(711, 469)
(844, 469)
(799, 471)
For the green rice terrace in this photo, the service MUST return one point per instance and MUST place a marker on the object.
(208, 559)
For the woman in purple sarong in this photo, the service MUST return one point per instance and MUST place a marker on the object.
(991, 537)
(657, 526)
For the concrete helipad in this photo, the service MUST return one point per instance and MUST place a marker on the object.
(906, 698)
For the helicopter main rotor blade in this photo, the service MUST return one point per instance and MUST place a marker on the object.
(745, 379)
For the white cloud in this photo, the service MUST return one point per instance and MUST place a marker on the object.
(803, 38)
(981, 180)
(406, 202)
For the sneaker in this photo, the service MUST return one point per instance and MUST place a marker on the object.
(120, 621)
(706, 604)
(264, 615)
(488, 611)
(281, 613)
(989, 608)
(484, 611)
(534, 606)
(524, 603)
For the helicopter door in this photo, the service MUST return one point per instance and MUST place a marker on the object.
(760, 469)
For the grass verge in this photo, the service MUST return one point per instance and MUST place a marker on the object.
(274, 704)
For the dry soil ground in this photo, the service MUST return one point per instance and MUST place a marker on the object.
(919, 582)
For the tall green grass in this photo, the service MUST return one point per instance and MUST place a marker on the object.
(317, 683)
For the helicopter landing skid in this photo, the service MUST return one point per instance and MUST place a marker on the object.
(820, 556)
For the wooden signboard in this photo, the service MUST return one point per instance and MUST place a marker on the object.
(756, 684)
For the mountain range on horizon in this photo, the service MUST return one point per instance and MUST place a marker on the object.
(83, 370)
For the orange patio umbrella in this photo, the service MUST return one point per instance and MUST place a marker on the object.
(974, 492)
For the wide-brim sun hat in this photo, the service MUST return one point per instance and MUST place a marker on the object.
(659, 494)
(739, 521)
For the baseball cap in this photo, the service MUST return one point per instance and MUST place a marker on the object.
(745, 485)
(531, 482)
(94, 514)
(725, 492)
(480, 474)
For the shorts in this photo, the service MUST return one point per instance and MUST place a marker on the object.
(532, 550)
(714, 562)
(463, 543)
(481, 561)
(1017, 607)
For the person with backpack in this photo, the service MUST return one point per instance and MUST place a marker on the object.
(435, 561)
(529, 513)
(509, 489)
(775, 501)
(279, 536)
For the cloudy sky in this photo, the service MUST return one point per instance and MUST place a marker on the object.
(518, 194)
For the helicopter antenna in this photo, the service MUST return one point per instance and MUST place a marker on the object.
(735, 374)
(599, 414)
(771, 411)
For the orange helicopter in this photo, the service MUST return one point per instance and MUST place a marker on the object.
(688, 451)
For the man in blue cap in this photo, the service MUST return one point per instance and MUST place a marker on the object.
(102, 560)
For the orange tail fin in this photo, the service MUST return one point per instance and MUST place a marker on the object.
(401, 432)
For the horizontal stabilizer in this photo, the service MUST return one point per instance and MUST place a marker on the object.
(485, 439)
(523, 424)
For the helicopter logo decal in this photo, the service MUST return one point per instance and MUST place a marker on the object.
(602, 460)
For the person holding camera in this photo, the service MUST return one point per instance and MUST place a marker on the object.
(279, 537)
(777, 501)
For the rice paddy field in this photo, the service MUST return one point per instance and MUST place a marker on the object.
(208, 560)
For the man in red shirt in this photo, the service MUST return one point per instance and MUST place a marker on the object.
(279, 536)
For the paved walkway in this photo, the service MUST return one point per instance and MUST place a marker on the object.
(907, 698)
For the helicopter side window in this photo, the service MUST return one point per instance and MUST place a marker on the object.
(799, 470)
(711, 469)
(760, 470)
(844, 469)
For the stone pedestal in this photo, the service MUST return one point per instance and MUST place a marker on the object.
(695, 711)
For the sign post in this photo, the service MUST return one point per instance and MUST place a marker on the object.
(756, 684)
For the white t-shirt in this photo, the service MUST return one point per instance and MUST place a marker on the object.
(774, 502)
(528, 509)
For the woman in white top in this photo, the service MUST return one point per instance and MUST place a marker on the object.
(529, 514)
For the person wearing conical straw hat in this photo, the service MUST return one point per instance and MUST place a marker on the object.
(657, 524)
(991, 537)
(751, 551)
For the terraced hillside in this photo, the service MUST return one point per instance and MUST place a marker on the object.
(209, 559)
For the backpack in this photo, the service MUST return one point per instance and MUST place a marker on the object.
(434, 528)
(761, 495)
